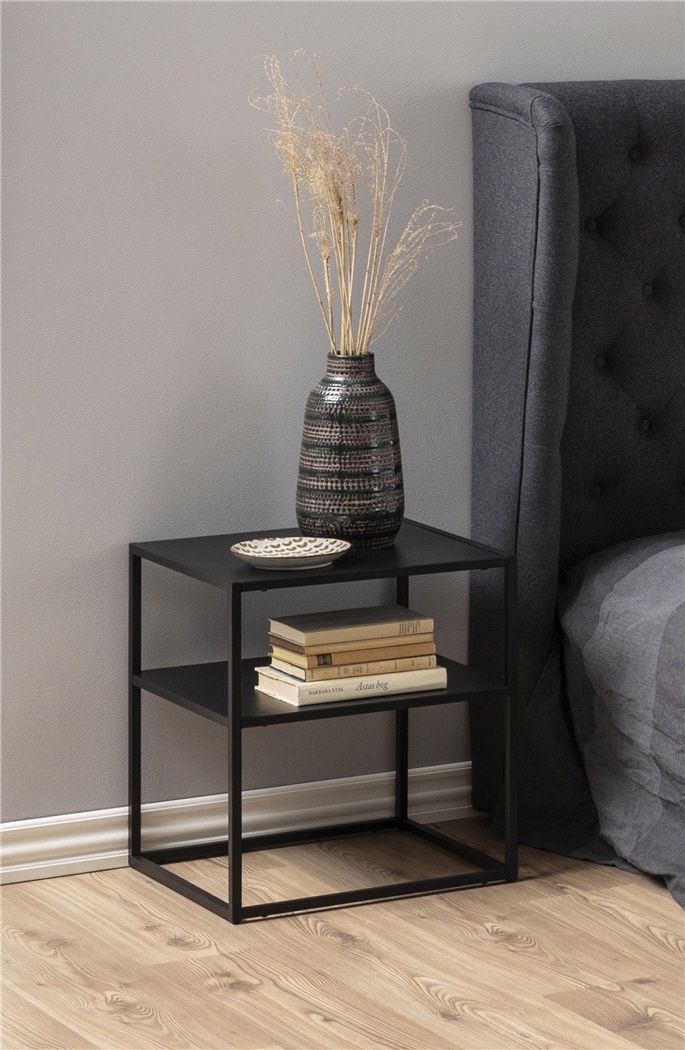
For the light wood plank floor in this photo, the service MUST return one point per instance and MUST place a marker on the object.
(573, 956)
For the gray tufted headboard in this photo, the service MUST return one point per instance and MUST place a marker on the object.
(579, 363)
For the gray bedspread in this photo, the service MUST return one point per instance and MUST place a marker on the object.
(622, 613)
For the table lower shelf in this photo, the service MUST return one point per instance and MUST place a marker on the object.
(203, 688)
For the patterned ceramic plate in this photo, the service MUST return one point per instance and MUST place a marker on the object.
(290, 552)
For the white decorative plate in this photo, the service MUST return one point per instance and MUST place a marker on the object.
(290, 552)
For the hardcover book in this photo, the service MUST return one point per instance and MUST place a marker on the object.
(328, 650)
(375, 667)
(356, 656)
(284, 687)
(379, 621)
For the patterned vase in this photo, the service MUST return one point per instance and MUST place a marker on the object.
(350, 479)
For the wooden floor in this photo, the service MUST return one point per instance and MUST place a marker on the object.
(575, 955)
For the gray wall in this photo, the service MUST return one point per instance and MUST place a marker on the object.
(161, 337)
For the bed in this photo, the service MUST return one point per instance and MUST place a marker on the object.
(579, 458)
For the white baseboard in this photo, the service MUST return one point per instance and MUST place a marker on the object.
(73, 843)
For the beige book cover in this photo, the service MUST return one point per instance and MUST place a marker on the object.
(332, 649)
(322, 674)
(285, 687)
(356, 656)
(376, 621)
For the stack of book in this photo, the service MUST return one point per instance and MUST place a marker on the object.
(344, 655)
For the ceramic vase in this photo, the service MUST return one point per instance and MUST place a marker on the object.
(350, 477)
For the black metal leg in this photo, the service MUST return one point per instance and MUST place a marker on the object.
(402, 729)
(401, 765)
(134, 711)
(402, 591)
(235, 754)
(511, 724)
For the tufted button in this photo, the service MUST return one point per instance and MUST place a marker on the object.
(681, 219)
(597, 489)
(644, 424)
(600, 361)
(591, 225)
(648, 290)
(634, 153)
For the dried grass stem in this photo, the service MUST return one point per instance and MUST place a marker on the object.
(328, 170)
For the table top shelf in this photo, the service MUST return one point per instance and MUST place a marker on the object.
(203, 688)
(418, 550)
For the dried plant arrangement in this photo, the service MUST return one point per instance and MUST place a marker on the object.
(341, 179)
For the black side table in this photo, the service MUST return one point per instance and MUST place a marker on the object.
(225, 693)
